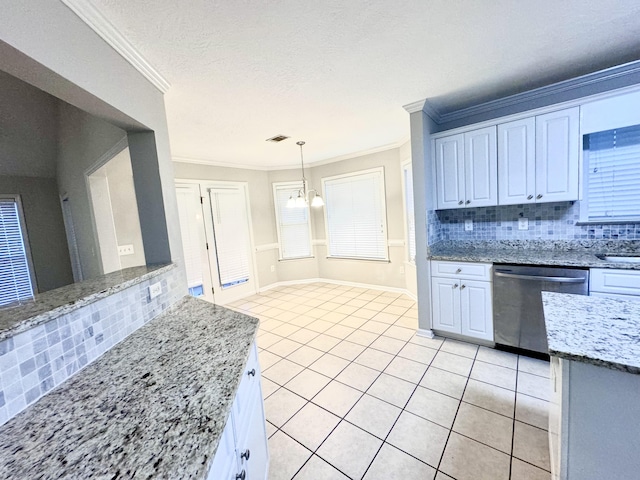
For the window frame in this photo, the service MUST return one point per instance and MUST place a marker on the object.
(17, 198)
(294, 186)
(383, 200)
(404, 166)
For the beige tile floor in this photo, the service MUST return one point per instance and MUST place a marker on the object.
(352, 392)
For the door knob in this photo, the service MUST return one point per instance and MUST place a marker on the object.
(529, 197)
(468, 202)
(246, 454)
(252, 372)
(241, 476)
(462, 287)
(455, 285)
(539, 196)
(459, 270)
(460, 202)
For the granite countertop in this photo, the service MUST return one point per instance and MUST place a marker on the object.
(154, 406)
(598, 330)
(558, 253)
(55, 303)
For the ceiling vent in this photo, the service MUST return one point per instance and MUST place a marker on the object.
(277, 138)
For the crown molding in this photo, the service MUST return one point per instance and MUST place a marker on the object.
(90, 15)
(361, 153)
(601, 76)
(414, 106)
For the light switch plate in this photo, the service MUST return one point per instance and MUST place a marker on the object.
(125, 250)
(468, 225)
(523, 224)
(155, 290)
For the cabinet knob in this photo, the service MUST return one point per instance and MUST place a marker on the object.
(241, 476)
(539, 196)
(468, 202)
(252, 372)
(462, 287)
(246, 454)
(529, 197)
(455, 285)
(459, 270)
(460, 202)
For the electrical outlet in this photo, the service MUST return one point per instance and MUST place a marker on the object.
(273, 268)
(523, 223)
(468, 225)
(125, 250)
(155, 290)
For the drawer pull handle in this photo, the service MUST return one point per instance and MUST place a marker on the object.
(539, 196)
(460, 202)
(241, 475)
(455, 285)
(459, 270)
(252, 372)
(529, 197)
(246, 454)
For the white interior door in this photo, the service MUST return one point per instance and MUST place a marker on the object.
(230, 242)
(194, 241)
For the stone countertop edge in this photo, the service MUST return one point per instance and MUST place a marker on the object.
(55, 303)
(568, 258)
(596, 330)
(154, 406)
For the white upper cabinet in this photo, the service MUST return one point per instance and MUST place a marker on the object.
(480, 167)
(466, 169)
(517, 162)
(538, 158)
(450, 171)
(557, 155)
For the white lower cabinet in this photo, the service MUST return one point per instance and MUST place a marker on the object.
(462, 304)
(242, 452)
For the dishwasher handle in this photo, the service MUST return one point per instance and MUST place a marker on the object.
(540, 278)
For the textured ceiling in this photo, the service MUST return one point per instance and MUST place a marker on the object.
(336, 73)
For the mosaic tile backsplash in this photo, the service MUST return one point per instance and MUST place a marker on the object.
(37, 360)
(547, 221)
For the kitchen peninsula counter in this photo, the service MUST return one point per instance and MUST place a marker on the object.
(155, 405)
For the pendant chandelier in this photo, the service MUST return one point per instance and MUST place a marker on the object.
(301, 199)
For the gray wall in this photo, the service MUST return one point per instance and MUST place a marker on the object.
(45, 229)
(65, 58)
(83, 140)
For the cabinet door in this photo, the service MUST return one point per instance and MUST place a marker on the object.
(224, 465)
(450, 171)
(557, 155)
(481, 168)
(517, 162)
(446, 304)
(252, 449)
(476, 312)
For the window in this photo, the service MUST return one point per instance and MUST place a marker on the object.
(294, 230)
(356, 215)
(612, 175)
(15, 272)
(407, 178)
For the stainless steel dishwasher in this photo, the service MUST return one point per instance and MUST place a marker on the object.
(518, 319)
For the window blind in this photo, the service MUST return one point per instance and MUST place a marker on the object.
(188, 212)
(293, 224)
(356, 217)
(230, 234)
(15, 279)
(411, 220)
(613, 176)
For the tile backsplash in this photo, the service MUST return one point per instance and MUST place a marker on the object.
(37, 360)
(547, 221)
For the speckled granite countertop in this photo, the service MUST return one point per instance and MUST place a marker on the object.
(560, 253)
(154, 406)
(55, 303)
(597, 330)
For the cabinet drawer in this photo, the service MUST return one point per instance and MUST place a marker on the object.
(606, 280)
(472, 271)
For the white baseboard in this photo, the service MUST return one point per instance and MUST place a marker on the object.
(422, 332)
(338, 282)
